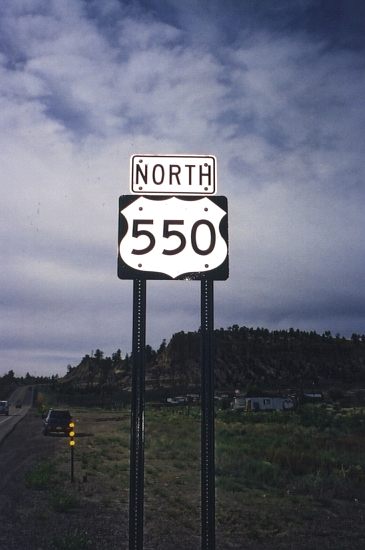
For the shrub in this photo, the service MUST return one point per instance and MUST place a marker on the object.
(73, 541)
(63, 502)
(40, 477)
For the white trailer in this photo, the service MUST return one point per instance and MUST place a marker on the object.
(273, 403)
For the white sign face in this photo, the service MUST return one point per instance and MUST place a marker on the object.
(173, 175)
(172, 237)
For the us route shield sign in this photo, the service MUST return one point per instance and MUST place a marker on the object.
(173, 237)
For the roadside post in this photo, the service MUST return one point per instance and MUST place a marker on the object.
(72, 443)
(136, 484)
(174, 227)
(207, 420)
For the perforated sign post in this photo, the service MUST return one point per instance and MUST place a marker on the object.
(181, 233)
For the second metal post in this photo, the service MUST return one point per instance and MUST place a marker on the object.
(207, 424)
(136, 487)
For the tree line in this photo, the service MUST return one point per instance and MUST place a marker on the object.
(243, 356)
(9, 382)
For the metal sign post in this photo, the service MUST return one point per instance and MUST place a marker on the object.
(71, 434)
(173, 226)
(207, 423)
(72, 465)
(136, 488)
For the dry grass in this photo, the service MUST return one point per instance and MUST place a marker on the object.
(282, 484)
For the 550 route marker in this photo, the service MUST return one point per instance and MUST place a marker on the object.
(173, 238)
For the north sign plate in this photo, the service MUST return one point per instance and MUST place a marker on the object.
(173, 237)
(173, 174)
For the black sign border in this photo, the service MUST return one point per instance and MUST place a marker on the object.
(220, 273)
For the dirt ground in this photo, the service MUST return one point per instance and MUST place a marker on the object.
(27, 522)
(92, 513)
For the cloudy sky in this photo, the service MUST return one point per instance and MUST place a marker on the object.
(274, 89)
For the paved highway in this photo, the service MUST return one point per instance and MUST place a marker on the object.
(23, 396)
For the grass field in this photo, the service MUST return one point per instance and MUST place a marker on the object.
(283, 480)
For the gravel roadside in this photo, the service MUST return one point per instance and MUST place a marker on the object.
(28, 519)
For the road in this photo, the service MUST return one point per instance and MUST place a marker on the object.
(30, 518)
(21, 449)
(23, 396)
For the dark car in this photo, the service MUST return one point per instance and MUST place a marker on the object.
(57, 421)
(4, 408)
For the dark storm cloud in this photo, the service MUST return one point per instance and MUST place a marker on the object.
(340, 23)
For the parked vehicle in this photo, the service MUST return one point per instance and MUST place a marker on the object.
(239, 403)
(177, 400)
(262, 403)
(4, 408)
(57, 421)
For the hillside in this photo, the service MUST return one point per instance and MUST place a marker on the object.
(243, 357)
